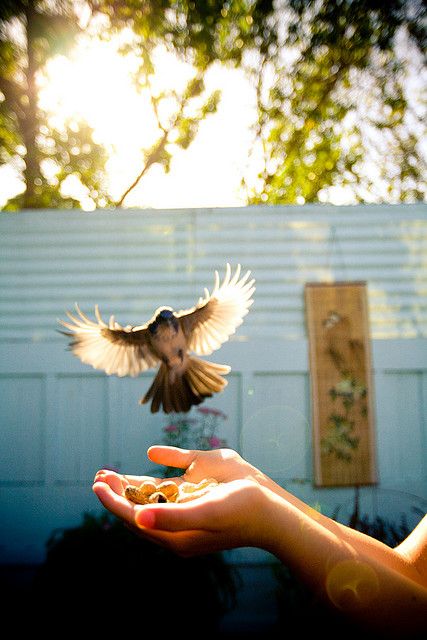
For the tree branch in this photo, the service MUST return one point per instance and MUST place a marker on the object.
(158, 149)
(153, 158)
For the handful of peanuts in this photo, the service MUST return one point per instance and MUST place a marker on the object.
(168, 491)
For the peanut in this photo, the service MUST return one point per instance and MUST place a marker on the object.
(168, 491)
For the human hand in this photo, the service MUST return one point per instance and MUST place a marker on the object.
(227, 516)
(221, 464)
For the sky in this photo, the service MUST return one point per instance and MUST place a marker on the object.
(96, 82)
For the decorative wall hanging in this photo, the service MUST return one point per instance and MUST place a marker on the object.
(341, 384)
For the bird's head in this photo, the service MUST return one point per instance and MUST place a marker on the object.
(166, 317)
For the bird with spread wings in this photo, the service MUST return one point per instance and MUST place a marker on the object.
(167, 341)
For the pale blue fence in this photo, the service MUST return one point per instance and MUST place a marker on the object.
(62, 420)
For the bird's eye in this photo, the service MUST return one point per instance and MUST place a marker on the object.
(166, 313)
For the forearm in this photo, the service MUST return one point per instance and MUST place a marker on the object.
(357, 539)
(353, 573)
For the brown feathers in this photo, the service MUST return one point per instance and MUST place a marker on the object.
(167, 339)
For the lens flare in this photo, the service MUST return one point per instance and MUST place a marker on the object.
(351, 585)
(278, 434)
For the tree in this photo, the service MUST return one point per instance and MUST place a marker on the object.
(35, 30)
(335, 108)
(178, 127)
(201, 33)
(334, 104)
(45, 155)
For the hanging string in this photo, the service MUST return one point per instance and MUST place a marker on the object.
(337, 249)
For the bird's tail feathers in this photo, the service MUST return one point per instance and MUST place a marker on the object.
(179, 393)
(205, 377)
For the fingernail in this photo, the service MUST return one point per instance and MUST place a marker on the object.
(145, 518)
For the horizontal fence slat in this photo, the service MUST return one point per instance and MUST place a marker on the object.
(133, 261)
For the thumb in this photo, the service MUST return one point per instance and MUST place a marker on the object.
(171, 456)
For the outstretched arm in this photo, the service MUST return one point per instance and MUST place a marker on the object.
(382, 588)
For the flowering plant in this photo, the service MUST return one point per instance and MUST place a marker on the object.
(194, 433)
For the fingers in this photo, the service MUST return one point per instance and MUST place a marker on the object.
(113, 501)
(196, 514)
(182, 532)
(171, 456)
(142, 520)
(114, 480)
(118, 482)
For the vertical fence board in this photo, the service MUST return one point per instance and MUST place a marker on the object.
(274, 436)
(82, 427)
(400, 431)
(22, 452)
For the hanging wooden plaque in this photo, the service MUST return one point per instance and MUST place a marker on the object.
(341, 384)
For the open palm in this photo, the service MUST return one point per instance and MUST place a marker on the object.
(211, 522)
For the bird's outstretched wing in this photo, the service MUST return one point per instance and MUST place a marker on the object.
(123, 351)
(216, 316)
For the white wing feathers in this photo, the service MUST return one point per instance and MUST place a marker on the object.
(114, 349)
(217, 315)
(127, 351)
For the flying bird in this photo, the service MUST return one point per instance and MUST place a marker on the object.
(167, 341)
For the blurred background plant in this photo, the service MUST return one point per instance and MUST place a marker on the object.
(199, 432)
(100, 575)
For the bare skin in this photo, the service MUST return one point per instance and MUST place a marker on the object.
(381, 588)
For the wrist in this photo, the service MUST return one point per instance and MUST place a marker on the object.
(267, 517)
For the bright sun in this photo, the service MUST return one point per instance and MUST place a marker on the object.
(96, 84)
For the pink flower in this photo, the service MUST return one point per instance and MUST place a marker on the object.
(213, 412)
(170, 428)
(204, 410)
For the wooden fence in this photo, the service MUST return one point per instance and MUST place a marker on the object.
(61, 420)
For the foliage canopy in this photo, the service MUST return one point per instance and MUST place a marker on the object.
(334, 82)
(336, 106)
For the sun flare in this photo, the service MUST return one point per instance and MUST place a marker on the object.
(96, 84)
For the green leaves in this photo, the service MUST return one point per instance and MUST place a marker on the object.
(331, 80)
(185, 113)
(188, 126)
(340, 103)
(48, 156)
(52, 34)
(202, 32)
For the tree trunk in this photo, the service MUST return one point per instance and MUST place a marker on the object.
(32, 174)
